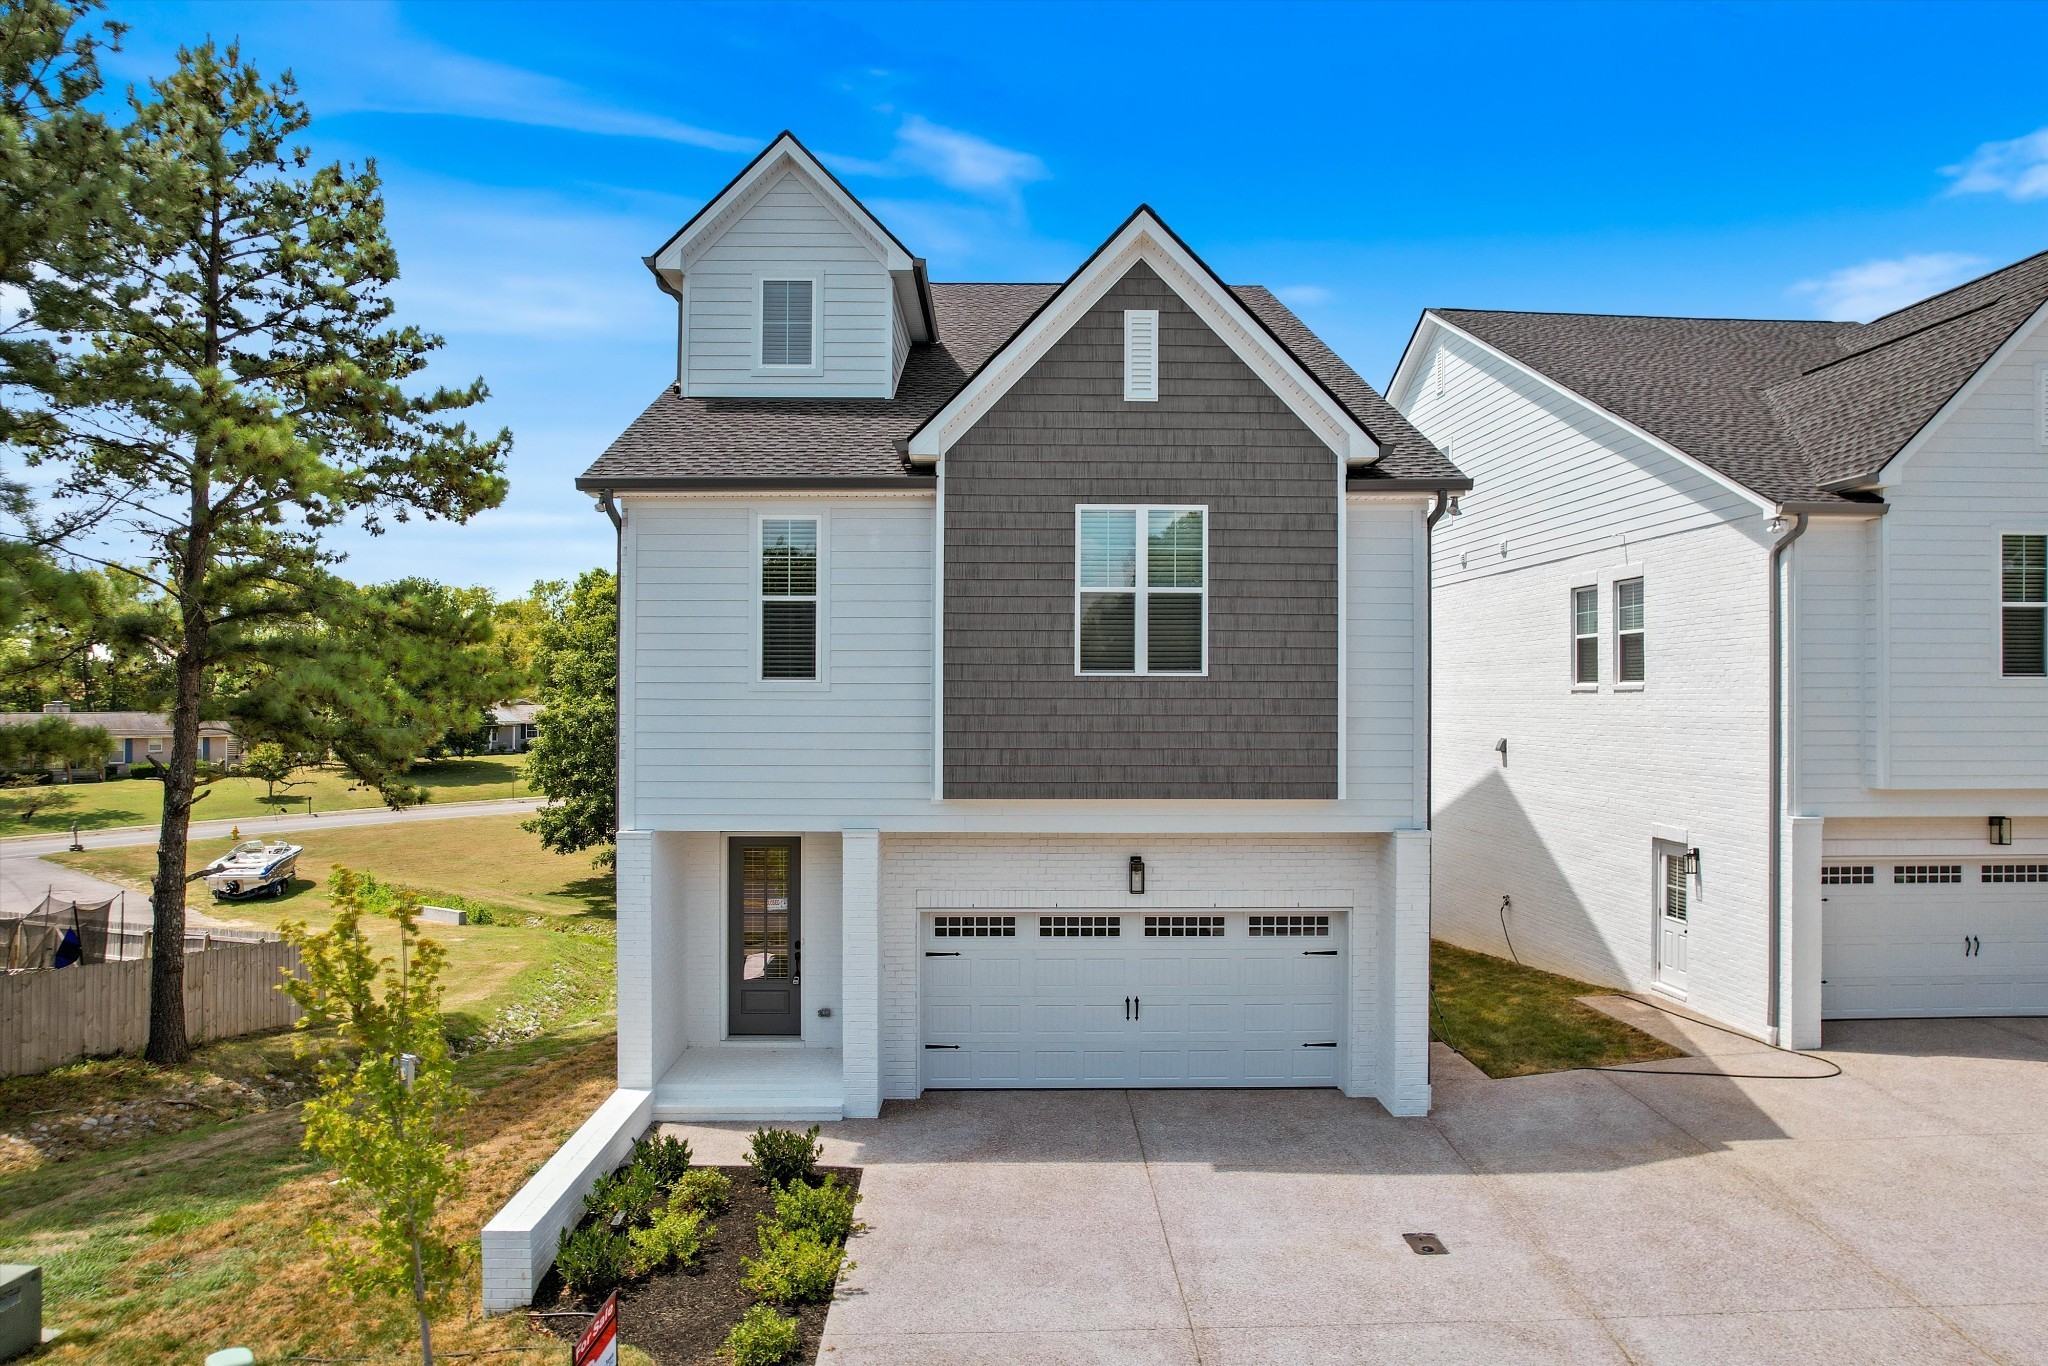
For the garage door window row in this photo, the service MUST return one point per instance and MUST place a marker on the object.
(2016, 872)
(1922, 874)
(1080, 927)
(1918, 873)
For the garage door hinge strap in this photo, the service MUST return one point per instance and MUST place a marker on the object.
(1318, 953)
(953, 1046)
(930, 954)
(1331, 1044)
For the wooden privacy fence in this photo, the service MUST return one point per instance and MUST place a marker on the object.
(55, 1016)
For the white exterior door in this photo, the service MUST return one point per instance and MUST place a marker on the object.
(1673, 907)
(1214, 998)
(1920, 937)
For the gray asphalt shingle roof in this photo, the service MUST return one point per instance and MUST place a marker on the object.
(1797, 411)
(679, 438)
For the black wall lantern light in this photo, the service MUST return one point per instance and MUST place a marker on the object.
(2001, 830)
(1137, 876)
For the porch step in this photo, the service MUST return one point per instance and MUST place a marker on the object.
(782, 1085)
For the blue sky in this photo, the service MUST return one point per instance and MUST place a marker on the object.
(1366, 161)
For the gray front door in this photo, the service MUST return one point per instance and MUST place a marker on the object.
(766, 954)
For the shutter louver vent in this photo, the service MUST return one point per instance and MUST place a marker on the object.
(1141, 355)
(2041, 404)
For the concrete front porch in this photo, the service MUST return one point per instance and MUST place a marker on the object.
(771, 1083)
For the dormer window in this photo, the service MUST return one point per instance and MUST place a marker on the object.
(788, 324)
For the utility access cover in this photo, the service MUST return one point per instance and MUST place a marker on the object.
(1426, 1244)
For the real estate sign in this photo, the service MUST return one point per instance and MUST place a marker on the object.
(599, 1345)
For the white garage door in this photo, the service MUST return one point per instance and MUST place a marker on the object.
(1235, 998)
(1915, 937)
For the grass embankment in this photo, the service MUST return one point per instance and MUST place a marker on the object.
(160, 1246)
(139, 801)
(1512, 1021)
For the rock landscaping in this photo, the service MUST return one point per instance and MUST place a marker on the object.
(728, 1264)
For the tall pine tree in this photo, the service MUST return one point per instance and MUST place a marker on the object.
(240, 388)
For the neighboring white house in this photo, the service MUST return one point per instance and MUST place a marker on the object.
(1022, 686)
(141, 738)
(1607, 708)
(513, 726)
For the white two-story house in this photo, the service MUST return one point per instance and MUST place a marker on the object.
(1021, 685)
(1740, 678)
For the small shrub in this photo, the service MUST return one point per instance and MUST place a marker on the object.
(592, 1259)
(824, 1211)
(763, 1338)
(705, 1188)
(793, 1268)
(668, 1158)
(781, 1157)
(676, 1237)
(635, 1192)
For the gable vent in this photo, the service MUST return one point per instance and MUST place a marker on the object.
(1141, 355)
(2041, 404)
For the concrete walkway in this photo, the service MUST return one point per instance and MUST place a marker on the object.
(1895, 1213)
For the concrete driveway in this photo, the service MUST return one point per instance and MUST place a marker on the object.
(1898, 1212)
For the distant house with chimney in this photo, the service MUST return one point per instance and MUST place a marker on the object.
(141, 738)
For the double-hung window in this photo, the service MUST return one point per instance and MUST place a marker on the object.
(1142, 590)
(2023, 594)
(1585, 637)
(789, 598)
(1628, 631)
(787, 310)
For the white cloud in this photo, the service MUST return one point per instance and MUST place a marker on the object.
(1303, 296)
(959, 161)
(2016, 168)
(1862, 292)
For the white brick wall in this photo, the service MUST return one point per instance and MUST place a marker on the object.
(925, 872)
(1402, 1083)
(861, 932)
(635, 874)
(519, 1243)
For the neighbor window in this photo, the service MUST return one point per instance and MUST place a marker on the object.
(1141, 614)
(1586, 637)
(786, 308)
(1628, 631)
(2025, 596)
(789, 597)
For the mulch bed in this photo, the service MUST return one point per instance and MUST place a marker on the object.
(683, 1316)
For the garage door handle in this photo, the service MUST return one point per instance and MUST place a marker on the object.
(1331, 1044)
(1127, 1007)
(930, 954)
(1318, 953)
(954, 1046)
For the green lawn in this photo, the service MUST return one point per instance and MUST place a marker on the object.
(139, 801)
(169, 1245)
(1512, 1021)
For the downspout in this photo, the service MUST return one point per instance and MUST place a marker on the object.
(1779, 761)
(611, 510)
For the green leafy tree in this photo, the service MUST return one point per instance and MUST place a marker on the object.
(73, 642)
(574, 759)
(53, 742)
(240, 387)
(273, 764)
(389, 1135)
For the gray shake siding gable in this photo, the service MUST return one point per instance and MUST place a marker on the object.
(1018, 722)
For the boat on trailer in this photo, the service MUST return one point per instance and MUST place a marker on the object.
(253, 868)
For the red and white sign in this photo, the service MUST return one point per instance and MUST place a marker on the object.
(599, 1345)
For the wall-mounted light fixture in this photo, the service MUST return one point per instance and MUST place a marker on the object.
(1455, 512)
(1500, 747)
(1137, 876)
(1692, 863)
(2001, 830)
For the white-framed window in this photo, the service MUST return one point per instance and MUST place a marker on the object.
(156, 746)
(1586, 637)
(1141, 355)
(1141, 613)
(1629, 655)
(789, 324)
(789, 599)
(2023, 602)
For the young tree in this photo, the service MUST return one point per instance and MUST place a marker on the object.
(574, 759)
(242, 388)
(273, 764)
(385, 1123)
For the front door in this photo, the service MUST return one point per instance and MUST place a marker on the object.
(765, 957)
(1673, 903)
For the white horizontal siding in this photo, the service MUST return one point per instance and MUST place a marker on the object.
(1834, 575)
(789, 230)
(1951, 721)
(1565, 826)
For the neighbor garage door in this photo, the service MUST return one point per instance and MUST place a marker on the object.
(1920, 937)
(1232, 998)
